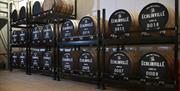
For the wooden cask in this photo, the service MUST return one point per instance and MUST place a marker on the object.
(15, 37)
(15, 60)
(22, 13)
(121, 65)
(156, 16)
(36, 60)
(14, 15)
(60, 6)
(23, 37)
(36, 36)
(47, 61)
(69, 28)
(121, 23)
(70, 62)
(22, 59)
(47, 34)
(88, 61)
(36, 8)
(157, 63)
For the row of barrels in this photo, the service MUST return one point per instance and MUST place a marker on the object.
(146, 62)
(59, 6)
(38, 35)
(150, 62)
(39, 60)
(153, 17)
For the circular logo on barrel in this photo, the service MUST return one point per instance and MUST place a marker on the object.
(154, 16)
(47, 60)
(67, 61)
(47, 32)
(35, 59)
(119, 64)
(153, 66)
(22, 59)
(15, 36)
(120, 22)
(35, 33)
(67, 29)
(86, 26)
(86, 62)
(22, 36)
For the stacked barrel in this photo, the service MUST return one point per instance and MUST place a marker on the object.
(19, 37)
(19, 59)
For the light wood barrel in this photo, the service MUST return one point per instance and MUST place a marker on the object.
(60, 6)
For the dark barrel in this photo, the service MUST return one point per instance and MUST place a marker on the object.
(47, 33)
(14, 15)
(70, 62)
(155, 16)
(154, 66)
(22, 59)
(15, 37)
(121, 22)
(36, 35)
(47, 61)
(60, 6)
(22, 13)
(36, 60)
(88, 61)
(88, 25)
(121, 65)
(15, 60)
(23, 37)
(37, 8)
(69, 28)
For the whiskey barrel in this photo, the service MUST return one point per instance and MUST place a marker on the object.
(47, 61)
(15, 60)
(35, 60)
(154, 66)
(156, 16)
(122, 64)
(14, 15)
(88, 61)
(22, 59)
(36, 35)
(162, 54)
(69, 28)
(37, 8)
(47, 34)
(88, 25)
(121, 22)
(70, 62)
(23, 37)
(22, 13)
(15, 37)
(60, 6)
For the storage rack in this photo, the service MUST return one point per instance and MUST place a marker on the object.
(144, 41)
(20, 23)
(76, 42)
(45, 17)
